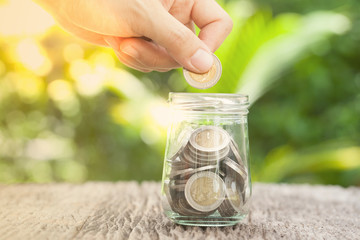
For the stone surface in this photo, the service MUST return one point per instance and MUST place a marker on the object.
(127, 210)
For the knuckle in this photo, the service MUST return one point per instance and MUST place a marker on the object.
(180, 37)
(183, 4)
(228, 23)
(167, 4)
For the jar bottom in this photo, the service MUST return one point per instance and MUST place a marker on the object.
(213, 220)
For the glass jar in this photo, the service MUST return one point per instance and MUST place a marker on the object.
(206, 176)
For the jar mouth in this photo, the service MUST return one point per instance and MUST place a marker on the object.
(210, 102)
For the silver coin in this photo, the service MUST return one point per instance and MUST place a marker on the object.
(234, 200)
(188, 159)
(179, 164)
(197, 162)
(182, 141)
(180, 181)
(232, 167)
(225, 209)
(221, 173)
(180, 187)
(186, 210)
(176, 206)
(204, 80)
(168, 195)
(235, 150)
(175, 196)
(209, 168)
(214, 156)
(176, 173)
(180, 209)
(189, 172)
(186, 156)
(246, 192)
(209, 139)
(207, 153)
(234, 194)
(205, 191)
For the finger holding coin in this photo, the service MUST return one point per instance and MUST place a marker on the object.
(204, 80)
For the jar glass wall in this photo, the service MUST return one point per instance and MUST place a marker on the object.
(206, 176)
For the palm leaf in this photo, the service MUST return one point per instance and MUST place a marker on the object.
(284, 162)
(279, 54)
(262, 47)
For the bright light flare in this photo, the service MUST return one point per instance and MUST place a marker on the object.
(60, 90)
(73, 52)
(90, 76)
(29, 88)
(33, 57)
(63, 93)
(23, 18)
(161, 114)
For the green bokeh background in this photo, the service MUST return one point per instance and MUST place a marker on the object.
(69, 111)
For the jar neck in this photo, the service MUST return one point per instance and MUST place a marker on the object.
(209, 104)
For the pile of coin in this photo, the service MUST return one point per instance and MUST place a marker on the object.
(204, 80)
(207, 174)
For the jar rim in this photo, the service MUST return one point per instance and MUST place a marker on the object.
(219, 95)
(209, 102)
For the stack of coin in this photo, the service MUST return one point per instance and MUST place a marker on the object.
(206, 146)
(207, 174)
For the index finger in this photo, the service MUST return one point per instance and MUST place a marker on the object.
(214, 22)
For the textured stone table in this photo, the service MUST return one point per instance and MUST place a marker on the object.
(132, 211)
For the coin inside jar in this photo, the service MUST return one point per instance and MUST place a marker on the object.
(204, 80)
(210, 156)
(234, 198)
(205, 191)
(183, 139)
(235, 151)
(209, 139)
(234, 169)
(234, 203)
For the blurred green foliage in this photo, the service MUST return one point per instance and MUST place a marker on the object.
(69, 111)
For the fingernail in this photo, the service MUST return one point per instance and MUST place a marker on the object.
(111, 41)
(129, 50)
(202, 60)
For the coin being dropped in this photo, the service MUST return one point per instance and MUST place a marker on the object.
(204, 80)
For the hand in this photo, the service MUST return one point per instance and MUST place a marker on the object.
(148, 35)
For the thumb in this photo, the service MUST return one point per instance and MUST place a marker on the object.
(181, 43)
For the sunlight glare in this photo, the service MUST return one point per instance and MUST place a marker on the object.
(23, 18)
(161, 114)
(73, 52)
(33, 57)
(60, 90)
(29, 88)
